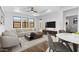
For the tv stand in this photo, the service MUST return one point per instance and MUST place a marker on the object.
(53, 32)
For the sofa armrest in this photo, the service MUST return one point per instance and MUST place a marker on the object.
(9, 41)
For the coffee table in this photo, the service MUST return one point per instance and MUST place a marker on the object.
(33, 35)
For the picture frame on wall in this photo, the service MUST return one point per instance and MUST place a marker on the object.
(75, 21)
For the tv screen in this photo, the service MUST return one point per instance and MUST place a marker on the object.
(51, 24)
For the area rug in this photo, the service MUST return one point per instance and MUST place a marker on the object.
(41, 47)
(37, 45)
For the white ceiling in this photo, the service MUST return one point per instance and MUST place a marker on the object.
(42, 10)
(22, 9)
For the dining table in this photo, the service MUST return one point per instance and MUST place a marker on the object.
(70, 38)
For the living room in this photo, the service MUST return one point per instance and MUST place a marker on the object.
(31, 24)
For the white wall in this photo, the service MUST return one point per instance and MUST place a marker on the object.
(2, 27)
(9, 20)
(78, 19)
(55, 16)
(1, 13)
(59, 17)
(69, 12)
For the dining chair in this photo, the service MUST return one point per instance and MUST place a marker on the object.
(56, 46)
(63, 41)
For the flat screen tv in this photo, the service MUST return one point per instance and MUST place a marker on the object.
(51, 24)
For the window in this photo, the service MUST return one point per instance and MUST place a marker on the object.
(16, 22)
(16, 18)
(31, 23)
(22, 22)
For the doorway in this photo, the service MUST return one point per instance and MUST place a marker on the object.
(72, 23)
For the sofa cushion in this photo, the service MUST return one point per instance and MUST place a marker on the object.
(36, 35)
(11, 30)
(9, 41)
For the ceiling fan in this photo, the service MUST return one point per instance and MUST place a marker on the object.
(31, 9)
(35, 12)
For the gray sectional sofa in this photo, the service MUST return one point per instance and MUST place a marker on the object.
(8, 40)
